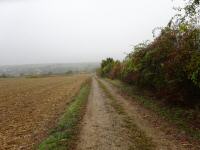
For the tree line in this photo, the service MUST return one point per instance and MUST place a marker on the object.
(170, 64)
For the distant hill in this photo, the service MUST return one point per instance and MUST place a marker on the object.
(17, 70)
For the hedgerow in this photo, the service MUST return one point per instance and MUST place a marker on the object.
(170, 64)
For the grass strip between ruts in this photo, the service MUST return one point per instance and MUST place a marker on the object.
(138, 137)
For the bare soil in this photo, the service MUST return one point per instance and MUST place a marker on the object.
(30, 107)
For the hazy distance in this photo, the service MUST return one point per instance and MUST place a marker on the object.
(64, 31)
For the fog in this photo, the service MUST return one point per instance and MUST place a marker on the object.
(62, 31)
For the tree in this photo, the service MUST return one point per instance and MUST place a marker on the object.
(106, 66)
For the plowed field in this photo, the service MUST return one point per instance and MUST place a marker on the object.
(29, 107)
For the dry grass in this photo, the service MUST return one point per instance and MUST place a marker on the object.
(30, 106)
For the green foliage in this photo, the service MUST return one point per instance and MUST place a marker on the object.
(169, 65)
(193, 68)
(116, 70)
(187, 16)
(106, 66)
(129, 71)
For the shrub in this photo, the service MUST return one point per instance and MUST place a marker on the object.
(169, 65)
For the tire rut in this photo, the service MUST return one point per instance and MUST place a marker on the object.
(138, 114)
(102, 127)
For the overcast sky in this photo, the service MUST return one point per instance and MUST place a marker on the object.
(56, 31)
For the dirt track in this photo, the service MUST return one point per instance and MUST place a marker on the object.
(164, 134)
(162, 141)
(29, 107)
(102, 126)
(104, 129)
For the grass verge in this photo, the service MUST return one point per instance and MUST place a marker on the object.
(64, 135)
(138, 137)
(179, 116)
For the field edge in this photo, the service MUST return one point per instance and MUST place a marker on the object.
(66, 132)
